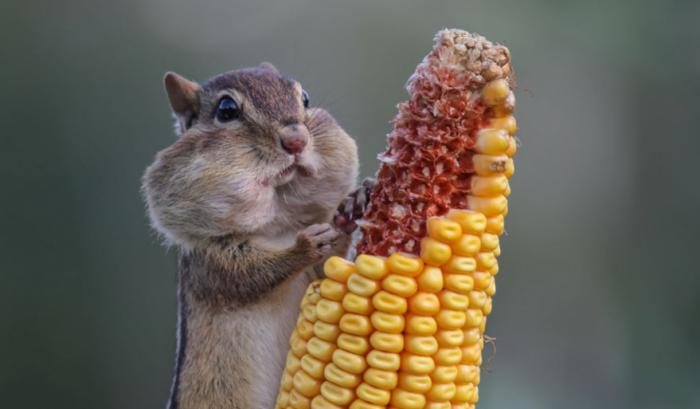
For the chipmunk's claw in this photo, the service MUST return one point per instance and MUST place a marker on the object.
(353, 207)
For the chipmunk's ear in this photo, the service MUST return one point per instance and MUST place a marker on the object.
(182, 94)
(268, 66)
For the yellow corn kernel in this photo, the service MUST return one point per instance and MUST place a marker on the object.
(474, 396)
(434, 252)
(355, 324)
(444, 374)
(369, 393)
(507, 123)
(338, 269)
(417, 364)
(414, 383)
(474, 318)
(467, 245)
(495, 92)
(497, 251)
(491, 141)
(287, 381)
(336, 394)
(482, 280)
(403, 399)
(361, 285)
(297, 345)
(305, 329)
(340, 377)
(360, 404)
(420, 325)
(494, 268)
(471, 335)
(404, 264)
(382, 379)
(387, 302)
(357, 304)
(463, 406)
(333, 290)
(452, 300)
(443, 230)
(442, 392)
(312, 288)
(448, 356)
(491, 289)
(449, 337)
(385, 361)
(509, 168)
(469, 220)
(282, 400)
(486, 261)
(293, 363)
(471, 355)
(390, 323)
(495, 225)
(309, 312)
(400, 285)
(459, 283)
(490, 206)
(488, 306)
(319, 402)
(449, 319)
(298, 401)
(438, 405)
(424, 304)
(490, 165)
(460, 265)
(489, 185)
(348, 361)
(386, 342)
(430, 280)
(468, 374)
(477, 299)
(320, 349)
(315, 295)
(421, 344)
(329, 311)
(306, 385)
(512, 147)
(352, 343)
(372, 267)
(312, 366)
(463, 393)
(489, 242)
(325, 331)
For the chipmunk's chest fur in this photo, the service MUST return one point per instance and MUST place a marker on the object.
(232, 357)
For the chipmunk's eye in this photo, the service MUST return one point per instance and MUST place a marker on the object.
(305, 98)
(227, 110)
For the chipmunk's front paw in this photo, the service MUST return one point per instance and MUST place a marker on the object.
(353, 207)
(319, 240)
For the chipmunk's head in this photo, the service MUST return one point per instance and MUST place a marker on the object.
(251, 154)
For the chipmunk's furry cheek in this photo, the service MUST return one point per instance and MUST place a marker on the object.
(245, 206)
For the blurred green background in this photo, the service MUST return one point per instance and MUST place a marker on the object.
(599, 291)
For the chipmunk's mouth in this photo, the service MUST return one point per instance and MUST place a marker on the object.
(286, 175)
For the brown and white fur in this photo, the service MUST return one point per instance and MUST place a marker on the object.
(250, 219)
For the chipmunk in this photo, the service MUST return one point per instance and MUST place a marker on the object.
(247, 194)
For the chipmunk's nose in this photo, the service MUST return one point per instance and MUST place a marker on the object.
(294, 138)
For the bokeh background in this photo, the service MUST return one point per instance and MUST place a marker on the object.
(599, 291)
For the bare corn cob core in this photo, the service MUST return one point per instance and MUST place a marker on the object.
(403, 326)
(430, 164)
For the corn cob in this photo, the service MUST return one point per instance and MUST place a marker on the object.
(403, 325)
